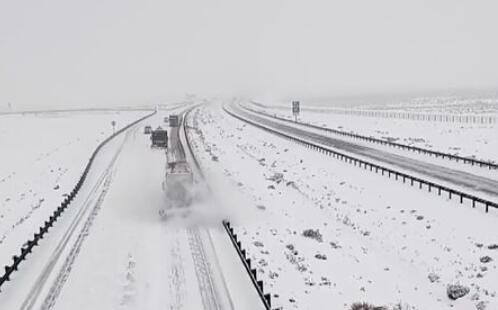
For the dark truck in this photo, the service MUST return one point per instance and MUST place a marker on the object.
(174, 120)
(159, 138)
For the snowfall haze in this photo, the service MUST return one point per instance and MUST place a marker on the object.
(93, 53)
(248, 155)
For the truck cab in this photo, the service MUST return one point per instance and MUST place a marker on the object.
(174, 120)
(159, 138)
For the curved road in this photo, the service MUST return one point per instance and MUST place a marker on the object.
(462, 179)
(112, 250)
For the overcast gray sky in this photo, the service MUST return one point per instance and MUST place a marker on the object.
(115, 52)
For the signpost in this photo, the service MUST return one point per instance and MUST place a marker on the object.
(295, 109)
(113, 123)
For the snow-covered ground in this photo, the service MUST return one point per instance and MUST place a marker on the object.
(472, 140)
(321, 232)
(111, 249)
(42, 157)
(442, 104)
(153, 263)
(325, 233)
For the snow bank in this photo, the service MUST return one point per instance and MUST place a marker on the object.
(43, 156)
(323, 232)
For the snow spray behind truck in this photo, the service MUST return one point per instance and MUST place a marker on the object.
(179, 179)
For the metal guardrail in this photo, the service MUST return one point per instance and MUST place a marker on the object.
(378, 168)
(258, 284)
(28, 246)
(246, 261)
(448, 118)
(465, 160)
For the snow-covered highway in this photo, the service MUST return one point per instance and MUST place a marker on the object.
(451, 177)
(323, 232)
(111, 249)
(317, 231)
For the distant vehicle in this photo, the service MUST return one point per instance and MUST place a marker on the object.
(147, 130)
(174, 120)
(159, 138)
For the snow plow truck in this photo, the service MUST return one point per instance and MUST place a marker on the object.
(179, 180)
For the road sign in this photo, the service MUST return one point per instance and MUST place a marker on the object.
(295, 109)
(113, 123)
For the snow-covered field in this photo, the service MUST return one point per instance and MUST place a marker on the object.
(112, 250)
(471, 140)
(327, 234)
(42, 157)
(443, 104)
(321, 232)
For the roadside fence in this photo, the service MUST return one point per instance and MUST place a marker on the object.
(433, 117)
(404, 177)
(474, 162)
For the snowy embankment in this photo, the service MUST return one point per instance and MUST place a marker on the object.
(323, 232)
(43, 156)
(479, 141)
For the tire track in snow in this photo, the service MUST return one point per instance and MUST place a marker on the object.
(203, 271)
(66, 268)
(177, 276)
(101, 187)
(211, 297)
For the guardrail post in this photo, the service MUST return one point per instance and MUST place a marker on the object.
(268, 299)
(8, 271)
(260, 284)
(15, 258)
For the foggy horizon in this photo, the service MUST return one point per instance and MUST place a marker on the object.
(249, 155)
(57, 54)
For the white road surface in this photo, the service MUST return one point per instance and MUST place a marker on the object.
(111, 250)
(451, 177)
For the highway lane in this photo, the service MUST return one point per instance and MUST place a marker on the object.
(472, 182)
(112, 250)
(133, 259)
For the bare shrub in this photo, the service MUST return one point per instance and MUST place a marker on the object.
(366, 306)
